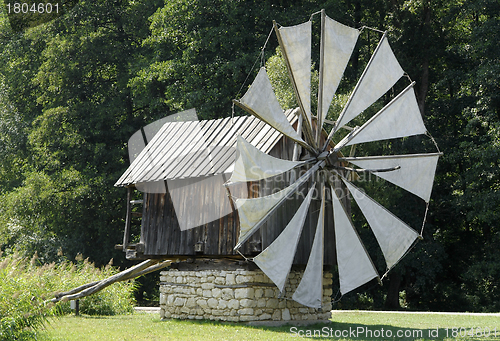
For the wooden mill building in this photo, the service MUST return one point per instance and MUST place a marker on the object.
(181, 172)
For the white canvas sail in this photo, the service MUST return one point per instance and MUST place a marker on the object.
(381, 73)
(416, 172)
(338, 42)
(276, 260)
(310, 290)
(251, 211)
(354, 264)
(253, 165)
(393, 235)
(296, 46)
(261, 102)
(400, 118)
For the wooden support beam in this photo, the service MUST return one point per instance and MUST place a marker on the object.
(140, 269)
(128, 219)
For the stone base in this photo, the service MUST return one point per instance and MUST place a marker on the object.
(236, 295)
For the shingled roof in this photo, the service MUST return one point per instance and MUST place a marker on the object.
(190, 149)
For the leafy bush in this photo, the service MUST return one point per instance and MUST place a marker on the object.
(25, 288)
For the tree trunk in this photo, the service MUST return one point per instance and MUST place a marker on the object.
(424, 81)
(392, 299)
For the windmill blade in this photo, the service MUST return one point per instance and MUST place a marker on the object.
(393, 235)
(251, 211)
(255, 211)
(254, 165)
(310, 290)
(381, 73)
(354, 264)
(400, 118)
(416, 172)
(337, 44)
(276, 260)
(260, 101)
(295, 43)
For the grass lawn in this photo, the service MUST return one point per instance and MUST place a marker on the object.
(349, 325)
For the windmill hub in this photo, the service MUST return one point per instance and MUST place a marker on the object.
(332, 159)
(322, 156)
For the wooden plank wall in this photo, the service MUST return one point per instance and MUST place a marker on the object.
(161, 234)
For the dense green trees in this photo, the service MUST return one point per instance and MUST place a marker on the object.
(73, 90)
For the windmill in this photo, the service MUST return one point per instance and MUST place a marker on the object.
(323, 161)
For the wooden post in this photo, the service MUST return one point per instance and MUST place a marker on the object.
(128, 219)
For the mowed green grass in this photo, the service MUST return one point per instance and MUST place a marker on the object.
(350, 325)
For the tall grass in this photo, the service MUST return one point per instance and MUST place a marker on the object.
(25, 287)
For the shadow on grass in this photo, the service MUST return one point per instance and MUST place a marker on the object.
(360, 332)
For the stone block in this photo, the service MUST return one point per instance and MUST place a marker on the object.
(276, 315)
(227, 293)
(327, 306)
(244, 293)
(245, 318)
(285, 315)
(207, 285)
(202, 303)
(272, 303)
(233, 304)
(242, 279)
(191, 302)
(216, 293)
(207, 293)
(258, 292)
(220, 280)
(179, 301)
(269, 293)
(230, 279)
(217, 312)
(212, 303)
(261, 302)
(265, 316)
(246, 311)
(247, 303)
(222, 304)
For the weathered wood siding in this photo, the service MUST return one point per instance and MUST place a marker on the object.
(161, 234)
